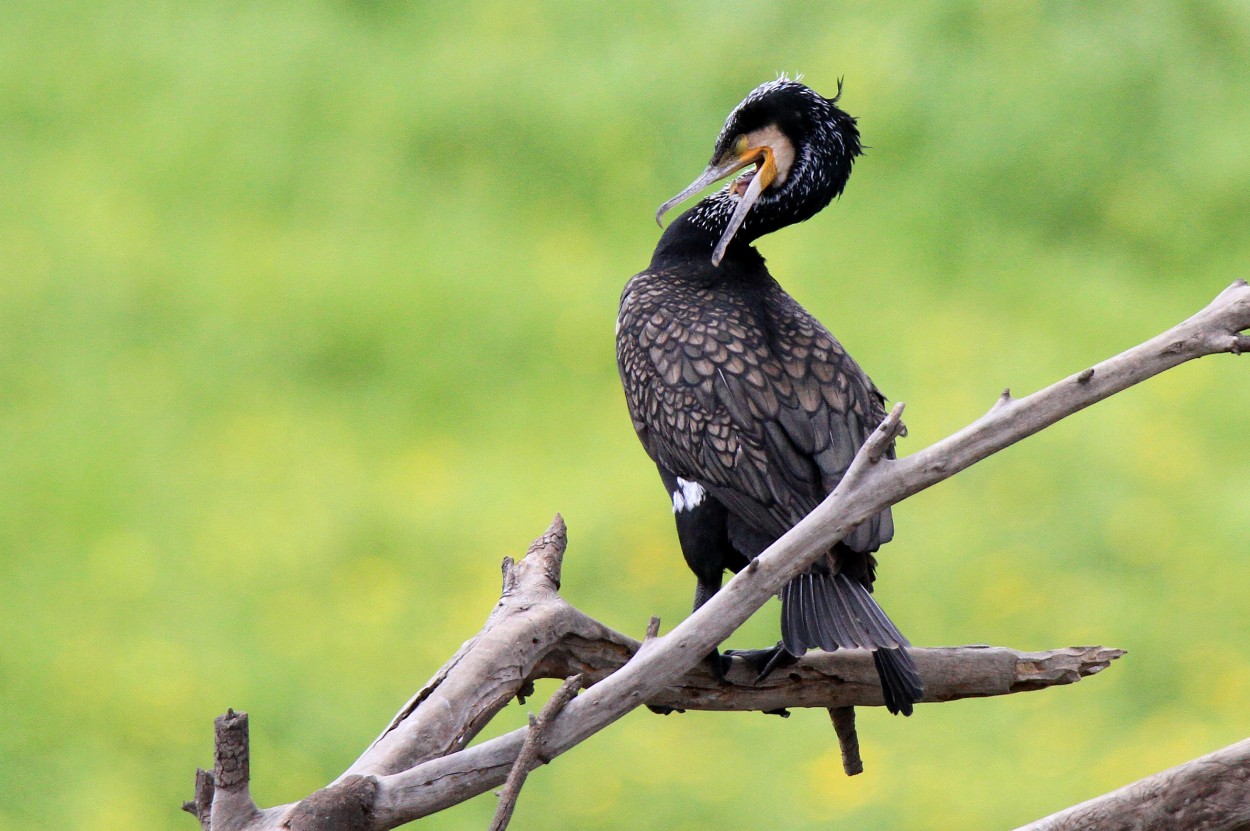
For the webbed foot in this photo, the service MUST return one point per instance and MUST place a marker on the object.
(764, 661)
(720, 665)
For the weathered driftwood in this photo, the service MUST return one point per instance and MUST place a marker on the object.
(533, 633)
(530, 755)
(422, 764)
(1210, 793)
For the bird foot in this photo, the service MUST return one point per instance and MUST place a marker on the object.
(764, 661)
(720, 665)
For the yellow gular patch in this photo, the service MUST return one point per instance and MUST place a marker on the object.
(783, 150)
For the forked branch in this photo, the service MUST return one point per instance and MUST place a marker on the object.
(422, 762)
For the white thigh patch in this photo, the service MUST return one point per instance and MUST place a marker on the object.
(688, 495)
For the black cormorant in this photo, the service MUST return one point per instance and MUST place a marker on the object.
(749, 407)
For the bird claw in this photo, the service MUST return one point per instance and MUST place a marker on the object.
(720, 665)
(764, 661)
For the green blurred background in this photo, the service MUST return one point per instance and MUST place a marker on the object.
(306, 318)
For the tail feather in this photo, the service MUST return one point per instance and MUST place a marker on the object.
(793, 630)
(836, 612)
(900, 682)
(800, 628)
(882, 631)
(849, 616)
(831, 627)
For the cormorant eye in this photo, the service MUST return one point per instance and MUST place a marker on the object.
(741, 145)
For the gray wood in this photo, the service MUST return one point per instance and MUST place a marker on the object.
(1210, 793)
(421, 763)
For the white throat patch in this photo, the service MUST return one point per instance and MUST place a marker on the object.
(783, 150)
(688, 496)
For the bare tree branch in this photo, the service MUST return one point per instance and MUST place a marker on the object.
(847, 678)
(202, 806)
(530, 756)
(843, 719)
(866, 490)
(529, 622)
(422, 764)
(1210, 793)
(232, 796)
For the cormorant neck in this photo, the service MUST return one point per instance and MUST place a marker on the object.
(690, 239)
(694, 235)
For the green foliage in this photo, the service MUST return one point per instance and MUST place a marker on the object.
(306, 320)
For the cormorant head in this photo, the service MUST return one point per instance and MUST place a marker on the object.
(801, 147)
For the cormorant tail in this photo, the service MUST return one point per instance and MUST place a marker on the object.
(833, 611)
(900, 683)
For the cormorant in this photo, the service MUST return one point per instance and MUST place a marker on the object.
(749, 407)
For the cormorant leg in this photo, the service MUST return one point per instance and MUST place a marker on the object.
(703, 533)
(703, 592)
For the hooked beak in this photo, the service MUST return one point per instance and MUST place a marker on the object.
(748, 191)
